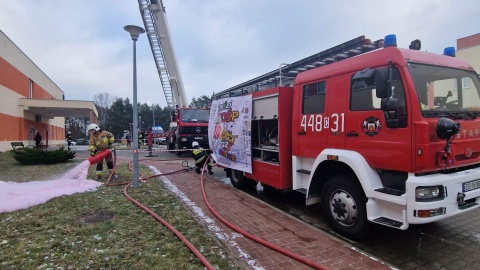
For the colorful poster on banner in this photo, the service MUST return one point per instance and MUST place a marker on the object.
(229, 132)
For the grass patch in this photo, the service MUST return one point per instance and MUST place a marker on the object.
(11, 170)
(61, 233)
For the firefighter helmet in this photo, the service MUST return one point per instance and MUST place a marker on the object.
(194, 144)
(93, 126)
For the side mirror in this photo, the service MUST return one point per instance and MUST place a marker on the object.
(381, 85)
(389, 104)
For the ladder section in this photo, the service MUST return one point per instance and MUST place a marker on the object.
(154, 20)
(286, 73)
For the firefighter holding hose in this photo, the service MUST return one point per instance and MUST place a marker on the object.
(101, 140)
(200, 155)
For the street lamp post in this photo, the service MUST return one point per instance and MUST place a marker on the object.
(135, 31)
(153, 113)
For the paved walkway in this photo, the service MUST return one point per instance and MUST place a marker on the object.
(262, 221)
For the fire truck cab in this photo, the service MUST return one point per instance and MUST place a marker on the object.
(390, 136)
(191, 125)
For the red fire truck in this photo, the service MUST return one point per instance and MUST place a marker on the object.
(373, 132)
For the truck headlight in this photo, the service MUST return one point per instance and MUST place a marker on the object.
(428, 194)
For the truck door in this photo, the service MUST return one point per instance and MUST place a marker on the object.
(367, 132)
(310, 135)
(336, 108)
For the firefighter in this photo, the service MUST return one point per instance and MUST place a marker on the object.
(200, 155)
(99, 141)
(129, 139)
(140, 138)
(69, 139)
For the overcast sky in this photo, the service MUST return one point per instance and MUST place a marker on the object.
(82, 47)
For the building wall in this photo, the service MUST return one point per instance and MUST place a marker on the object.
(468, 49)
(17, 74)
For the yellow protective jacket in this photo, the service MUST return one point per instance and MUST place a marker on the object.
(100, 141)
(199, 154)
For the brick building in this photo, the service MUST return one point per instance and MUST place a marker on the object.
(31, 102)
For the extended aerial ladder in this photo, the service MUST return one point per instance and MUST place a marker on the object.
(156, 26)
(286, 73)
(188, 124)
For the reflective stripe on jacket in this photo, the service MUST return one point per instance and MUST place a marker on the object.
(199, 155)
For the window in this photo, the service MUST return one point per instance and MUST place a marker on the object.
(314, 98)
(30, 89)
(363, 97)
(437, 89)
(466, 82)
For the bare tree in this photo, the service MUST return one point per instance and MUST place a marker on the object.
(103, 101)
(77, 126)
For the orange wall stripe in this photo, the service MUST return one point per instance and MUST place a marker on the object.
(13, 79)
(18, 129)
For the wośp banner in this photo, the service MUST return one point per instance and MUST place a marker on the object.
(229, 132)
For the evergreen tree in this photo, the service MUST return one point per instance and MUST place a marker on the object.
(145, 120)
(117, 120)
(164, 117)
(201, 102)
(128, 114)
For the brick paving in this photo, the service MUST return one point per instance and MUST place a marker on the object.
(263, 221)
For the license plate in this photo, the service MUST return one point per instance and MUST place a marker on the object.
(198, 138)
(471, 185)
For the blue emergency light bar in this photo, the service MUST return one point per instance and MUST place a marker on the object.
(449, 51)
(390, 41)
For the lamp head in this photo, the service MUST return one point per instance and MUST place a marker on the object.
(134, 31)
(447, 128)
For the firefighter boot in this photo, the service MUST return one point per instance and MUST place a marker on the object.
(114, 176)
(99, 170)
(110, 169)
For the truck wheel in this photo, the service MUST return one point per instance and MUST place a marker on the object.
(344, 204)
(240, 181)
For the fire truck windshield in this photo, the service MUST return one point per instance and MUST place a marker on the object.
(443, 90)
(194, 115)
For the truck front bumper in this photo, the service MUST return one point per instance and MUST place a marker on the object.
(185, 141)
(460, 193)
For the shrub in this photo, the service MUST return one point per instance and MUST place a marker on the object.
(32, 156)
